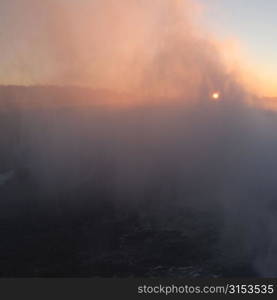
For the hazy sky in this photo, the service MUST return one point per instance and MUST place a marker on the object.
(254, 24)
(42, 40)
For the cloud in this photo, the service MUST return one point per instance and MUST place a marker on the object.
(140, 47)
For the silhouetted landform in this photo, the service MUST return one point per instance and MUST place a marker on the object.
(140, 192)
(271, 103)
(26, 96)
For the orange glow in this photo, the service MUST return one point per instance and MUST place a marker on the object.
(215, 96)
(153, 50)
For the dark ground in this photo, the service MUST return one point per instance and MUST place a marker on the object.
(101, 240)
(86, 231)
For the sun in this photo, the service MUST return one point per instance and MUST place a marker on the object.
(215, 96)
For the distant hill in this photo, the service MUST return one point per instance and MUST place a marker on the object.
(271, 99)
(54, 95)
(271, 102)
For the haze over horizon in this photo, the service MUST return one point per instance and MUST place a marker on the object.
(86, 43)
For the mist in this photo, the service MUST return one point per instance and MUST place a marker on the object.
(118, 113)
